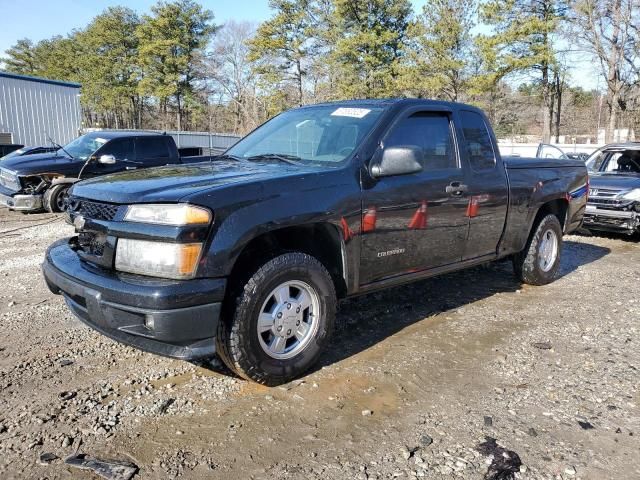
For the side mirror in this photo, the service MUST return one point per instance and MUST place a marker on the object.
(398, 161)
(107, 159)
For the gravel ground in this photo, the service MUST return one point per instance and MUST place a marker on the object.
(469, 375)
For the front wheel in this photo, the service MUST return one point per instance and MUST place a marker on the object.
(539, 262)
(282, 320)
(55, 198)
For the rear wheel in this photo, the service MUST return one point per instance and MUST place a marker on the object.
(55, 198)
(282, 320)
(539, 262)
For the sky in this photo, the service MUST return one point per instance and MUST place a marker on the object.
(39, 19)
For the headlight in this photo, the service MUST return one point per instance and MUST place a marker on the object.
(157, 259)
(632, 195)
(9, 179)
(168, 214)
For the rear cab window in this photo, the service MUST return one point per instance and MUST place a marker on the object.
(478, 142)
(152, 148)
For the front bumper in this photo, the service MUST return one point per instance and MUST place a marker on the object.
(24, 203)
(611, 220)
(174, 318)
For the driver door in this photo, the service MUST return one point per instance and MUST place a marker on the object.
(417, 221)
(123, 151)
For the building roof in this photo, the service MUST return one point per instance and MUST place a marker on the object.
(28, 78)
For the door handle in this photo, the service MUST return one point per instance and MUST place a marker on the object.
(456, 188)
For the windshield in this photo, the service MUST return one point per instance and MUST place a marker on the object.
(594, 162)
(627, 161)
(83, 147)
(323, 135)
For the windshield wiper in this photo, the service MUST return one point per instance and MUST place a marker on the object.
(290, 159)
(60, 147)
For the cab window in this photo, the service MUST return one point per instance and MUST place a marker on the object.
(478, 141)
(151, 148)
(431, 133)
(120, 148)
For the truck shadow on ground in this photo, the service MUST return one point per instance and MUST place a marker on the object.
(371, 318)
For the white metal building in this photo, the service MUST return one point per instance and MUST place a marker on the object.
(33, 108)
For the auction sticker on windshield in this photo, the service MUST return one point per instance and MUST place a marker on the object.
(350, 112)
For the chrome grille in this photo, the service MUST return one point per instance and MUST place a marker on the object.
(603, 192)
(607, 198)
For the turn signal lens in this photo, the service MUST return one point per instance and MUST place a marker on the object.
(158, 259)
(188, 260)
(168, 214)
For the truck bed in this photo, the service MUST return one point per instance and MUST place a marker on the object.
(532, 162)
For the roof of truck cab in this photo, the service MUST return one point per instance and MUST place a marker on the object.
(387, 102)
(109, 134)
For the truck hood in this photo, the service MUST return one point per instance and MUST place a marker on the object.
(172, 183)
(615, 181)
(40, 163)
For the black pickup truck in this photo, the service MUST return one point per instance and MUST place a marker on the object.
(33, 182)
(247, 255)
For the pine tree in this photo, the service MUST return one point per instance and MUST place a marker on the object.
(21, 58)
(283, 45)
(523, 42)
(172, 43)
(370, 45)
(110, 73)
(442, 50)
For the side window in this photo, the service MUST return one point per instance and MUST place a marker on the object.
(121, 148)
(431, 132)
(151, 148)
(478, 141)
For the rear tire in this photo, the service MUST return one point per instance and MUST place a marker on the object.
(281, 322)
(54, 199)
(539, 262)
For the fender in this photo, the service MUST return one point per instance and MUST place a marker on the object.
(64, 180)
(235, 226)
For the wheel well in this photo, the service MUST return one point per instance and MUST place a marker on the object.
(556, 207)
(321, 241)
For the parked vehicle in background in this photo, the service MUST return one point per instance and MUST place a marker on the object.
(6, 149)
(247, 256)
(36, 181)
(582, 156)
(614, 195)
(546, 150)
(22, 151)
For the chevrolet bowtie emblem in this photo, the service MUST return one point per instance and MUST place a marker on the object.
(79, 222)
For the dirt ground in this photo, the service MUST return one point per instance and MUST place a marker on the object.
(417, 382)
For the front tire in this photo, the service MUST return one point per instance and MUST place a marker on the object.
(282, 320)
(54, 199)
(539, 262)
